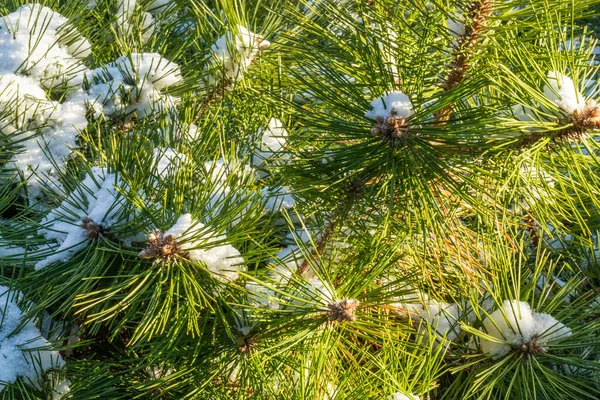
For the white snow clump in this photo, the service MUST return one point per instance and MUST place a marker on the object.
(441, 317)
(563, 93)
(227, 182)
(273, 141)
(85, 214)
(126, 11)
(133, 84)
(38, 42)
(234, 52)
(167, 160)
(23, 353)
(456, 26)
(394, 104)
(39, 50)
(515, 325)
(223, 260)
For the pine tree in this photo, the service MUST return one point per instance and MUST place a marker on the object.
(326, 199)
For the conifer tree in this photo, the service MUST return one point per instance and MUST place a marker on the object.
(309, 199)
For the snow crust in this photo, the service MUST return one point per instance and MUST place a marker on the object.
(222, 259)
(393, 104)
(95, 198)
(23, 353)
(515, 324)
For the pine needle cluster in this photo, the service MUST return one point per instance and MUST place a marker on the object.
(310, 199)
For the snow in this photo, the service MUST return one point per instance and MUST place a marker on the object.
(222, 259)
(23, 353)
(25, 101)
(125, 14)
(394, 104)
(227, 182)
(233, 52)
(555, 239)
(562, 92)
(537, 184)
(40, 50)
(7, 250)
(456, 26)
(132, 84)
(401, 396)
(278, 198)
(95, 198)
(515, 324)
(159, 6)
(261, 296)
(441, 317)
(61, 389)
(30, 43)
(310, 291)
(167, 161)
(273, 141)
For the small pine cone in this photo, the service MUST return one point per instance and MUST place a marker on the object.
(162, 247)
(92, 229)
(593, 115)
(532, 347)
(343, 310)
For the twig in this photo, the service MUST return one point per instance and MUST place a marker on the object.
(353, 193)
(478, 12)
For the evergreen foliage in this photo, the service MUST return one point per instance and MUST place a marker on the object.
(310, 199)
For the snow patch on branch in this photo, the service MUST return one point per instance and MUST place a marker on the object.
(222, 259)
(87, 213)
(132, 85)
(23, 352)
(39, 50)
(272, 143)
(38, 42)
(562, 92)
(167, 161)
(394, 104)
(233, 53)
(515, 325)
(440, 317)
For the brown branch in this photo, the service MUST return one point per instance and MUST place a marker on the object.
(478, 12)
(353, 192)
(578, 124)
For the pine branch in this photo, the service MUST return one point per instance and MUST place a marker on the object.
(478, 13)
(354, 192)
